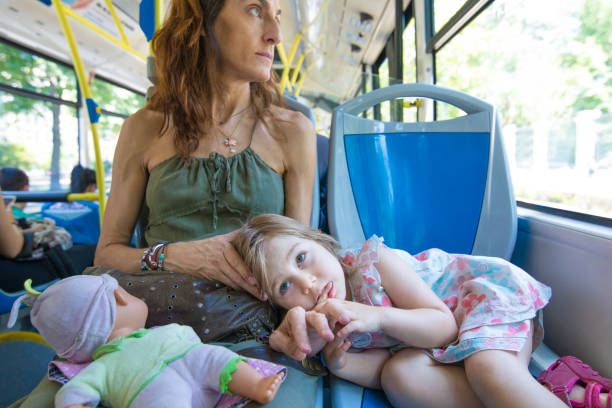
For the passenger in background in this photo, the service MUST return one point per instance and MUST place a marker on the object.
(80, 218)
(87, 181)
(11, 237)
(14, 179)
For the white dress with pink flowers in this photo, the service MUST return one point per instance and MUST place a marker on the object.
(494, 302)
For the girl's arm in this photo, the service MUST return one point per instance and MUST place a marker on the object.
(212, 258)
(362, 368)
(419, 318)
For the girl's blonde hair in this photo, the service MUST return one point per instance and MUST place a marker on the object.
(251, 237)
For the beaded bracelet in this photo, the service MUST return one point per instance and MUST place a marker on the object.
(153, 258)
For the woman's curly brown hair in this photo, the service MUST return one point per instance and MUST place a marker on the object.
(187, 58)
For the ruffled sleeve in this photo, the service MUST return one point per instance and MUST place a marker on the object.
(363, 277)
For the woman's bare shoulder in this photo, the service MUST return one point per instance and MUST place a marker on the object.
(144, 122)
(292, 124)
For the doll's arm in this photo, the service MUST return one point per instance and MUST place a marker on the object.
(84, 390)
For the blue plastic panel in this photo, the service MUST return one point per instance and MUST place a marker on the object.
(446, 171)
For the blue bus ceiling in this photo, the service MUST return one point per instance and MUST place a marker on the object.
(449, 169)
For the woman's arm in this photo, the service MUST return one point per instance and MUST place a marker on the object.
(11, 238)
(212, 258)
(128, 185)
(300, 161)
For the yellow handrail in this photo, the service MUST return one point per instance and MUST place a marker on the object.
(287, 67)
(111, 9)
(82, 197)
(68, 11)
(91, 106)
(296, 70)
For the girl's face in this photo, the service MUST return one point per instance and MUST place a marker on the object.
(247, 32)
(302, 273)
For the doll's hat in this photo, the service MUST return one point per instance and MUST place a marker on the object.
(75, 316)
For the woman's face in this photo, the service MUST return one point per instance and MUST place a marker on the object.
(247, 32)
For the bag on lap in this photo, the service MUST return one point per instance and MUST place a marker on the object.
(214, 311)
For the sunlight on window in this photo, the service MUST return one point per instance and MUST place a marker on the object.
(547, 67)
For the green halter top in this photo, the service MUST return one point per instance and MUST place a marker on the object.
(214, 195)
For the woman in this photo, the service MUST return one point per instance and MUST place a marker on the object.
(213, 122)
(212, 147)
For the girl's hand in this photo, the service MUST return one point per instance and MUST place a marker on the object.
(334, 353)
(301, 333)
(353, 316)
(215, 259)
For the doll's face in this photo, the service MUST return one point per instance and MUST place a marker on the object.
(131, 312)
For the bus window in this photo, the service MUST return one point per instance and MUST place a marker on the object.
(547, 67)
(40, 110)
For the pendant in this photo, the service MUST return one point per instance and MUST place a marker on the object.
(229, 142)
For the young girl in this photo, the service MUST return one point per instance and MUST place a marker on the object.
(434, 330)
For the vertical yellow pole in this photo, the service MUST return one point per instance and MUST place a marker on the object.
(159, 13)
(298, 87)
(92, 108)
(296, 70)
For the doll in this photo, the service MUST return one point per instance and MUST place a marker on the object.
(86, 318)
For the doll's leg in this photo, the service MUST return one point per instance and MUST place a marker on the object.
(246, 381)
(501, 379)
(168, 389)
(214, 367)
(411, 378)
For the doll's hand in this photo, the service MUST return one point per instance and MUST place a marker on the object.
(361, 318)
(334, 353)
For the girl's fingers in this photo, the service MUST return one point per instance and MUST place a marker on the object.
(334, 311)
(291, 337)
(319, 322)
(348, 329)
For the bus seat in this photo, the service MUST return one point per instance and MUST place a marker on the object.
(442, 184)
(80, 218)
(24, 357)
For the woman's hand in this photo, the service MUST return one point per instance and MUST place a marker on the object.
(215, 259)
(301, 333)
(352, 316)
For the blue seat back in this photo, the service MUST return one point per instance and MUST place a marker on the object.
(441, 184)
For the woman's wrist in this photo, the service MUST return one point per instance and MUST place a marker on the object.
(179, 257)
(153, 257)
